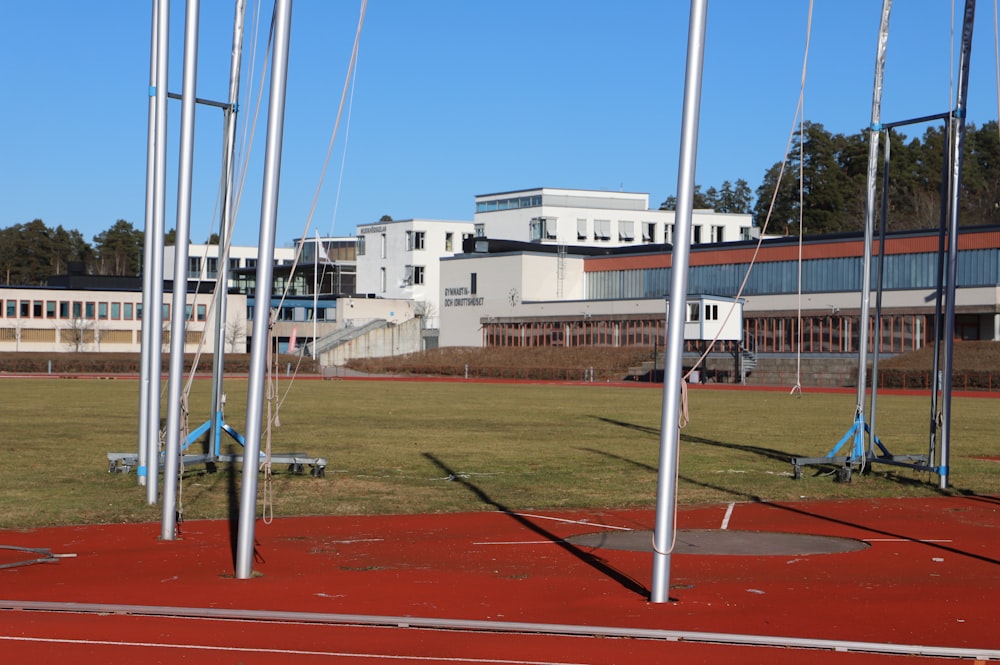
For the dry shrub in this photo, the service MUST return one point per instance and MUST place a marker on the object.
(539, 363)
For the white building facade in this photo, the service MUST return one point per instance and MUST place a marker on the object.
(596, 218)
(203, 260)
(401, 260)
(54, 320)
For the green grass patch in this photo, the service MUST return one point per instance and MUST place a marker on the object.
(413, 447)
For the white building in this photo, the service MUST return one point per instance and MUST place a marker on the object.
(401, 260)
(95, 315)
(596, 218)
(203, 260)
(539, 298)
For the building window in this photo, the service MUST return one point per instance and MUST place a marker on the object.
(473, 283)
(668, 233)
(745, 233)
(626, 232)
(359, 244)
(602, 230)
(694, 311)
(116, 310)
(649, 231)
(194, 266)
(202, 312)
(127, 311)
(718, 233)
(467, 236)
(581, 229)
(480, 230)
(63, 309)
(77, 309)
(234, 264)
(711, 312)
(382, 278)
(382, 245)
(696, 233)
(50, 309)
(418, 274)
(89, 310)
(102, 310)
(448, 242)
(213, 267)
(25, 309)
(37, 308)
(11, 309)
(418, 240)
(251, 263)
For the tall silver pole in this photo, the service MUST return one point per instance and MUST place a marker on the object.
(152, 309)
(666, 495)
(262, 298)
(866, 277)
(147, 254)
(228, 205)
(957, 147)
(178, 310)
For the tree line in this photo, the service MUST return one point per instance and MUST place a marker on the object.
(833, 169)
(31, 253)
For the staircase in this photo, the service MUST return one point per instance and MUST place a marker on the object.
(748, 360)
(343, 336)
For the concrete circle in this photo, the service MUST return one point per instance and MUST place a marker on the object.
(698, 541)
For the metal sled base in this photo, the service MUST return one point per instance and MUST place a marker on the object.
(297, 462)
(857, 460)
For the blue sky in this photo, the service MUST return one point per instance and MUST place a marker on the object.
(453, 98)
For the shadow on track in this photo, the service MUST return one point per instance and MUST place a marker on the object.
(589, 559)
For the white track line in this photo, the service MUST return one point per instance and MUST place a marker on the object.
(729, 514)
(286, 652)
(510, 627)
(566, 521)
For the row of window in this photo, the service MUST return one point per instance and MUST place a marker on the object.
(84, 309)
(605, 230)
(509, 203)
(415, 241)
(775, 334)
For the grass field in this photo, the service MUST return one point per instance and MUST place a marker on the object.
(398, 447)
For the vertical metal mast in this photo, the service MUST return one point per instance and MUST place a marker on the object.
(265, 270)
(152, 314)
(866, 277)
(178, 314)
(147, 252)
(228, 205)
(957, 147)
(666, 496)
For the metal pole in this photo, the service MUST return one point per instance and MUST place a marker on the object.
(228, 205)
(178, 313)
(879, 276)
(265, 270)
(866, 277)
(152, 309)
(957, 146)
(666, 495)
(147, 253)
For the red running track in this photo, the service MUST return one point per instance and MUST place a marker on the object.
(406, 589)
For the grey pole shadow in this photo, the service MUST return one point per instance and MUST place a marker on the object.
(586, 557)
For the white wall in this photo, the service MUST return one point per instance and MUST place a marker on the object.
(574, 217)
(109, 320)
(386, 253)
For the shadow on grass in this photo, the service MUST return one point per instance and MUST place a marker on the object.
(589, 559)
(770, 453)
(807, 513)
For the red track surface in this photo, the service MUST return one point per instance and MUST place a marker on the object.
(931, 577)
